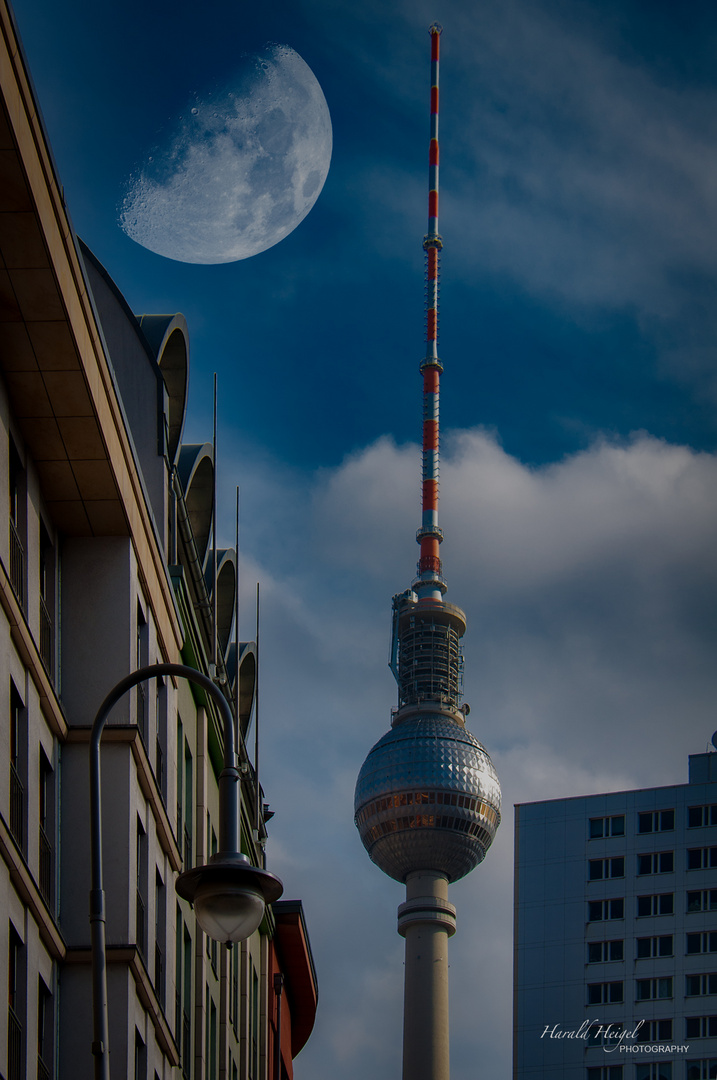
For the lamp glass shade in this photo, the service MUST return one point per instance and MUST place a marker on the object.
(228, 912)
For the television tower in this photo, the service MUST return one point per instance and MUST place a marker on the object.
(427, 801)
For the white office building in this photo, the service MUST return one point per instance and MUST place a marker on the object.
(615, 963)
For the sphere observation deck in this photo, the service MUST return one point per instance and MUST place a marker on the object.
(427, 798)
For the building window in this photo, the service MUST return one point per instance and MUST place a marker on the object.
(653, 989)
(702, 1069)
(702, 900)
(46, 829)
(18, 732)
(183, 995)
(140, 1057)
(605, 952)
(661, 904)
(655, 1070)
(701, 858)
(657, 821)
(607, 826)
(16, 1007)
(160, 924)
(655, 1031)
(212, 943)
(141, 887)
(605, 993)
(601, 910)
(656, 862)
(700, 1027)
(17, 519)
(605, 1072)
(655, 946)
(212, 1033)
(254, 1026)
(701, 943)
(45, 1033)
(699, 816)
(47, 600)
(700, 985)
(606, 868)
(160, 729)
(141, 660)
(234, 990)
(184, 797)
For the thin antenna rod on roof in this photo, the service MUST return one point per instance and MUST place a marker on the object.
(256, 719)
(214, 538)
(237, 639)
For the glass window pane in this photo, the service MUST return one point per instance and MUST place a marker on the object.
(618, 825)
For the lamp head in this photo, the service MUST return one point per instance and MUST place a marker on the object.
(229, 895)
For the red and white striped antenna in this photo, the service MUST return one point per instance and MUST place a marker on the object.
(430, 579)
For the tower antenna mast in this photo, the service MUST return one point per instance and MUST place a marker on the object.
(430, 580)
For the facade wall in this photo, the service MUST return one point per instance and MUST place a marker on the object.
(613, 894)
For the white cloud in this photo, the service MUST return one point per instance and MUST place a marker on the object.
(589, 587)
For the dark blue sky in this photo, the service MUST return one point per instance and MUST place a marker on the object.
(550, 334)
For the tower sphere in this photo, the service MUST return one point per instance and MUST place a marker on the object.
(427, 798)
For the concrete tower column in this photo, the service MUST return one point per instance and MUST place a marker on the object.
(426, 921)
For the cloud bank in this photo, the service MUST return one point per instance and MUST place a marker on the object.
(590, 587)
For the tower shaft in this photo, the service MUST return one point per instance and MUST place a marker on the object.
(426, 920)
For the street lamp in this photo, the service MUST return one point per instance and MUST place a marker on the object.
(228, 893)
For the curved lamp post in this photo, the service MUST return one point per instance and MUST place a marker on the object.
(228, 893)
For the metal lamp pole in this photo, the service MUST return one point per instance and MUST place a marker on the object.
(228, 870)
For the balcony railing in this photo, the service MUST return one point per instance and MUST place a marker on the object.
(17, 807)
(46, 867)
(14, 1047)
(46, 637)
(17, 564)
(43, 1070)
(139, 929)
